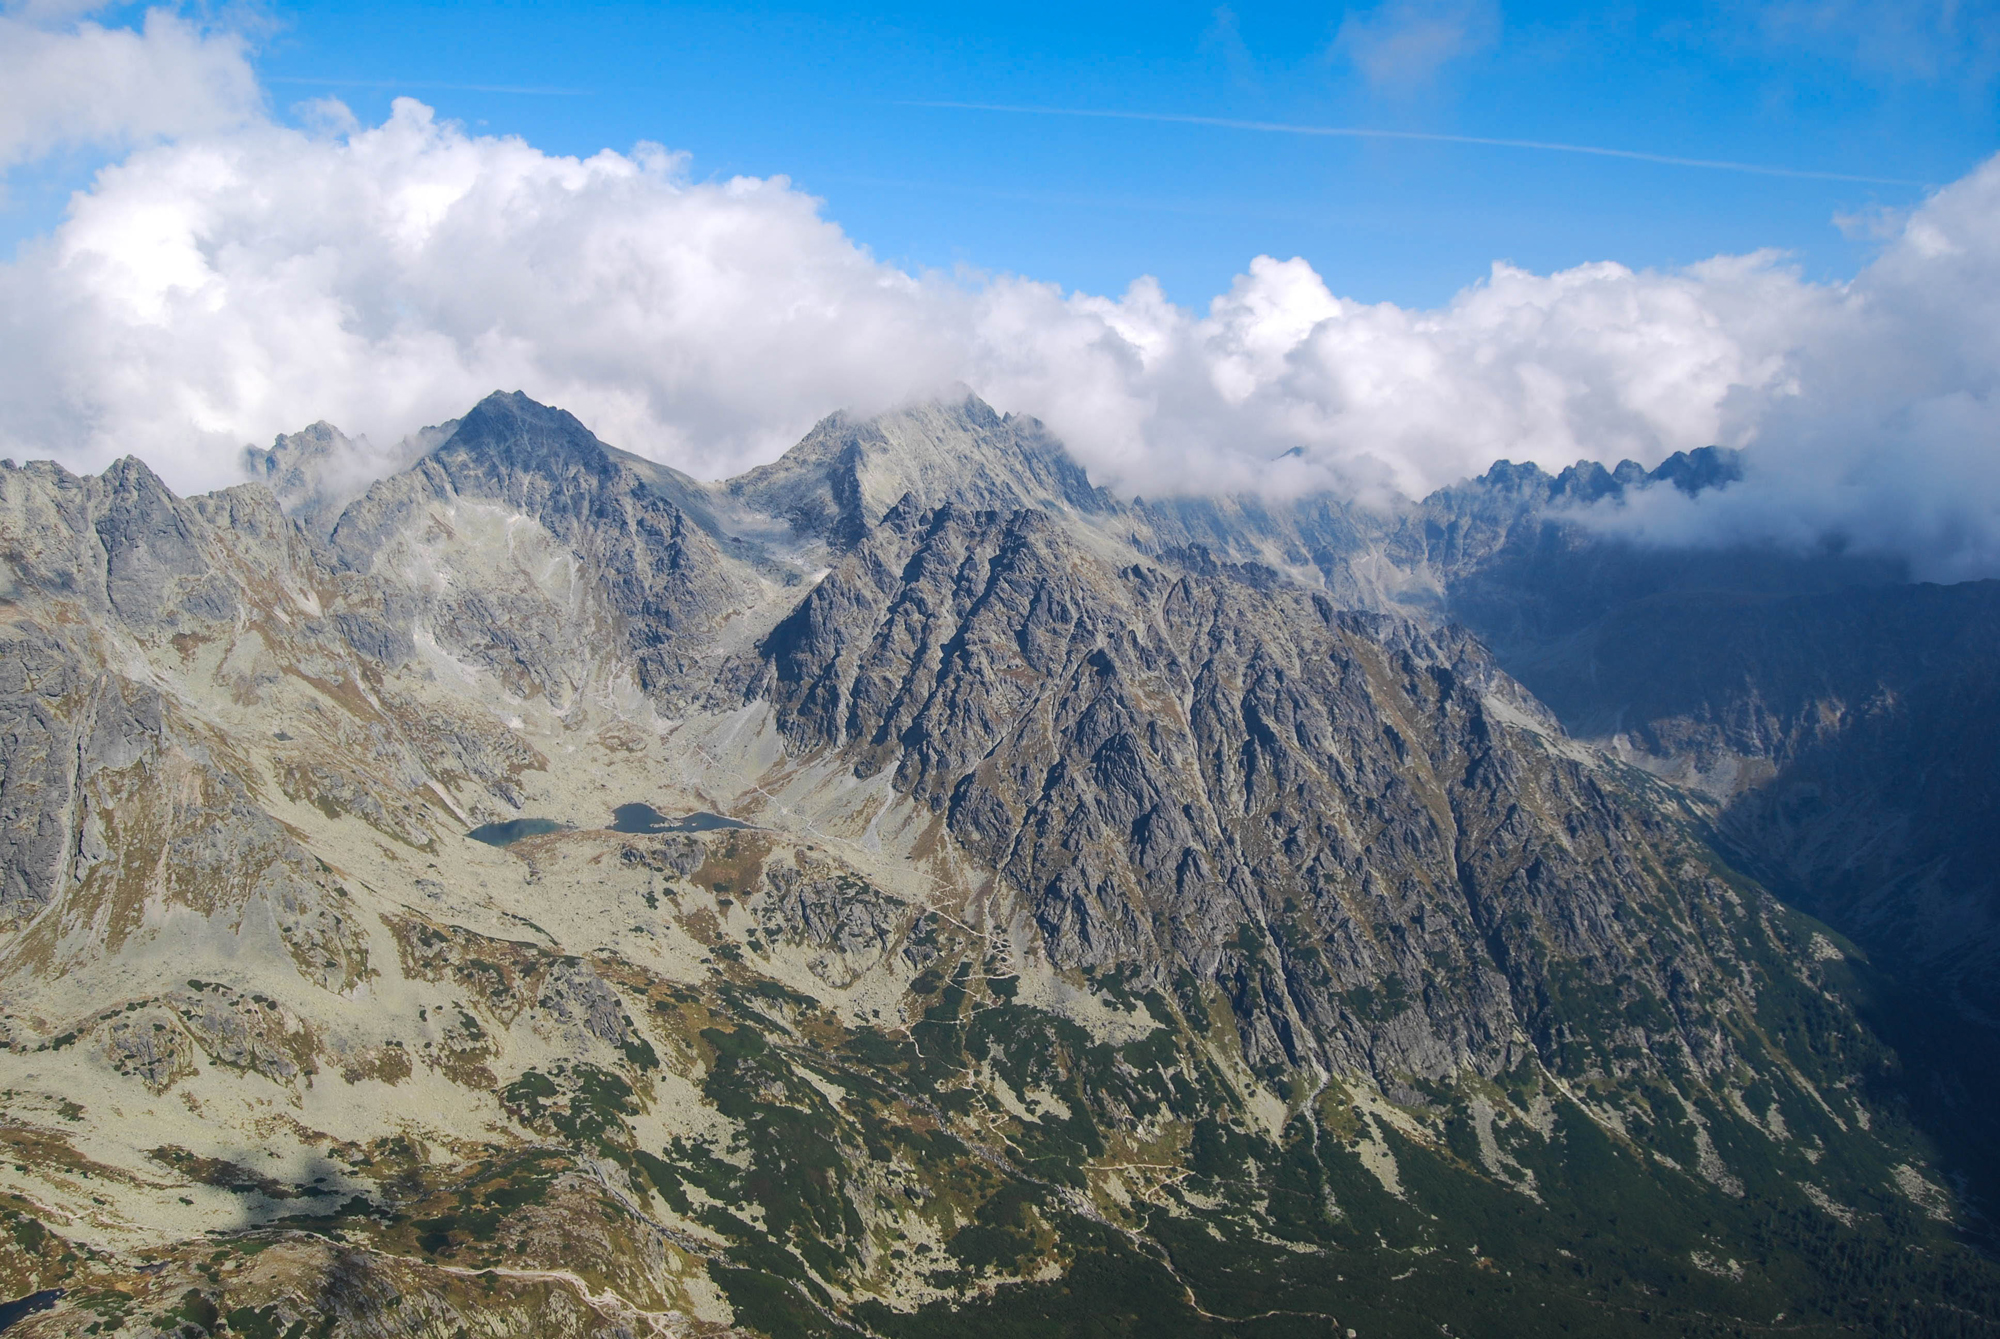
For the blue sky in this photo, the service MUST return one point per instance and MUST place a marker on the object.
(831, 95)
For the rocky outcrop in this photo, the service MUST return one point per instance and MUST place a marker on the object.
(119, 542)
(847, 922)
(43, 697)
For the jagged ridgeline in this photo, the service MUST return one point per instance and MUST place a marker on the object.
(903, 891)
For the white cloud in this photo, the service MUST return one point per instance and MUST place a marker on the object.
(1884, 430)
(1597, 361)
(66, 83)
(1402, 44)
(226, 286)
(222, 289)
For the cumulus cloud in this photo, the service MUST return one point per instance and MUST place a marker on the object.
(223, 287)
(1882, 431)
(66, 82)
(1597, 361)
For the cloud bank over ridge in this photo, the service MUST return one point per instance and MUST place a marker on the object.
(243, 278)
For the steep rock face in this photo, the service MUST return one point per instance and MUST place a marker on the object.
(166, 845)
(62, 723)
(1830, 715)
(620, 569)
(1360, 830)
(118, 547)
(40, 692)
(1846, 737)
(846, 474)
(128, 803)
(130, 829)
(119, 542)
(1833, 711)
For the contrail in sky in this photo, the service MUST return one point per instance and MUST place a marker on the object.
(1360, 132)
(432, 83)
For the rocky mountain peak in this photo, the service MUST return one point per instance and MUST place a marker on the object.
(1704, 467)
(292, 467)
(315, 472)
(1586, 481)
(513, 447)
(507, 430)
(848, 472)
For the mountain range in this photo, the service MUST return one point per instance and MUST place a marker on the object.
(907, 889)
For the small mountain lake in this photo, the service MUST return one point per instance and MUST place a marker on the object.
(645, 818)
(501, 834)
(28, 1306)
(631, 818)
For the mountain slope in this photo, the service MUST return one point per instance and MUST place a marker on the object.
(1831, 716)
(1030, 927)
